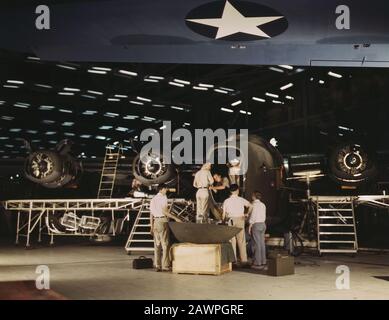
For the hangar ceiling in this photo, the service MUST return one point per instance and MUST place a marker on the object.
(100, 103)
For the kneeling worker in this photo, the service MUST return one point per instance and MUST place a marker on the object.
(159, 214)
(220, 188)
(234, 208)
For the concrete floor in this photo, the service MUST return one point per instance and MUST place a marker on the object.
(92, 272)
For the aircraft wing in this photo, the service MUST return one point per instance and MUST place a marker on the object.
(267, 32)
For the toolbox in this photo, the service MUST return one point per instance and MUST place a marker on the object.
(280, 264)
(142, 263)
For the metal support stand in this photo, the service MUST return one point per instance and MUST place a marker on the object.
(31, 212)
(17, 229)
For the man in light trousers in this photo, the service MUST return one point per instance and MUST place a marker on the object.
(257, 230)
(202, 182)
(234, 209)
(159, 215)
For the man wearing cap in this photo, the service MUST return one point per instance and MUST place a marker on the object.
(234, 210)
(202, 182)
(234, 171)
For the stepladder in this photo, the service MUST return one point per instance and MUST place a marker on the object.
(140, 239)
(336, 225)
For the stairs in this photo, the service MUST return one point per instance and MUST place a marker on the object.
(336, 230)
(108, 173)
(140, 239)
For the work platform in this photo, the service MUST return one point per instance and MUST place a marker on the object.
(377, 201)
(81, 215)
(382, 200)
(336, 222)
(33, 215)
(73, 204)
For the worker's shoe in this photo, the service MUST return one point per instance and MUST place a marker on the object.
(257, 267)
(167, 270)
(158, 269)
(240, 265)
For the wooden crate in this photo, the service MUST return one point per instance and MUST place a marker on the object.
(199, 259)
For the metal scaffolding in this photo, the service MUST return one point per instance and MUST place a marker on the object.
(81, 220)
(33, 214)
(376, 201)
(336, 223)
(140, 238)
(380, 201)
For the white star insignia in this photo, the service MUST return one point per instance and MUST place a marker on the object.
(232, 22)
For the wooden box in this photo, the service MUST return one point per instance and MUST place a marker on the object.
(199, 259)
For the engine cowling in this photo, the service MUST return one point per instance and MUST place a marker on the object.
(51, 169)
(152, 169)
(352, 164)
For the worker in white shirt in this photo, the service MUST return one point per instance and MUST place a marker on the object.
(234, 171)
(202, 182)
(159, 214)
(234, 210)
(257, 230)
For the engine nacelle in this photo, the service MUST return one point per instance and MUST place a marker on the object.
(53, 168)
(352, 164)
(152, 170)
